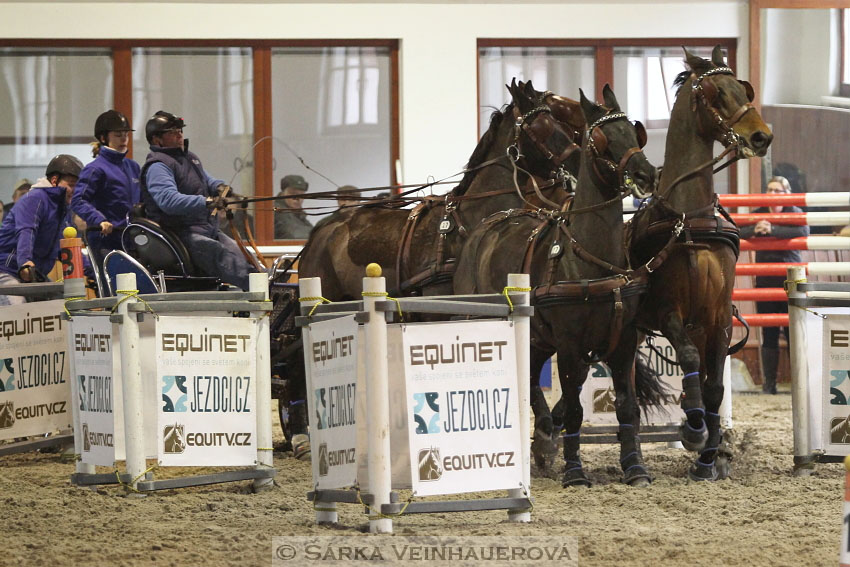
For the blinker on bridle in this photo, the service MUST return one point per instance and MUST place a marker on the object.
(729, 138)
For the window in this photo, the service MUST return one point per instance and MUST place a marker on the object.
(50, 98)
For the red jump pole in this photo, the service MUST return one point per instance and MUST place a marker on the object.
(766, 269)
(71, 254)
(764, 320)
(759, 294)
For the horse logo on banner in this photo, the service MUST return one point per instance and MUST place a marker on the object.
(429, 464)
(7, 415)
(323, 460)
(174, 439)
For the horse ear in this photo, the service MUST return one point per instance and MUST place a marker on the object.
(717, 56)
(521, 100)
(749, 90)
(696, 63)
(529, 90)
(589, 108)
(610, 99)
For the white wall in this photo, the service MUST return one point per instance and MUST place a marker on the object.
(438, 44)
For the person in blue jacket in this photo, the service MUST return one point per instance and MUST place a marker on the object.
(108, 186)
(30, 233)
(181, 196)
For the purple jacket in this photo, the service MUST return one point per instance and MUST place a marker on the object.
(32, 229)
(106, 191)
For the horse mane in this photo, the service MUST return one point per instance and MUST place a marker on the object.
(480, 152)
(681, 79)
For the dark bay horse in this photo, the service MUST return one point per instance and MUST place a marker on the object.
(689, 298)
(529, 147)
(584, 295)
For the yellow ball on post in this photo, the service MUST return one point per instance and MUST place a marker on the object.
(69, 232)
(373, 270)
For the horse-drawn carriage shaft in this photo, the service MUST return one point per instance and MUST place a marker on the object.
(581, 309)
(689, 298)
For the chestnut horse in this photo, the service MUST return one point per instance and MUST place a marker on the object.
(584, 295)
(690, 295)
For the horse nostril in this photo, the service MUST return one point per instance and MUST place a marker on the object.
(760, 140)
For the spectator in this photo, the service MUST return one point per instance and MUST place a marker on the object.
(290, 221)
(770, 335)
(109, 186)
(20, 189)
(30, 233)
(180, 195)
(348, 196)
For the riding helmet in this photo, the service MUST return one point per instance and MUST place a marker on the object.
(64, 164)
(161, 122)
(111, 121)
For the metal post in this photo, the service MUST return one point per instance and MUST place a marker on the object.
(377, 400)
(259, 282)
(522, 332)
(131, 377)
(803, 462)
(326, 512)
(76, 288)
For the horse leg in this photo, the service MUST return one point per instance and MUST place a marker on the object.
(714, 460)
(693, 432)
(543, 445)
(572, 374)
(621, 363)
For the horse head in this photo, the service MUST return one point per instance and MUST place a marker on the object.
(613, 147)
(724, 105)
(544, 131)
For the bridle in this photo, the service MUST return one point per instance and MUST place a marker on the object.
(597, 144)
(706, 92)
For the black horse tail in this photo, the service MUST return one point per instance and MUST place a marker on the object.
(651, 392)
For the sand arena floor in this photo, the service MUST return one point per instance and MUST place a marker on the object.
(763, 515)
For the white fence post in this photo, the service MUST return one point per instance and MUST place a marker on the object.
(131, 377)
(259, 282)
(326, 512)
(378, 406)
(522, 331)
(799, 373)
(76, 288)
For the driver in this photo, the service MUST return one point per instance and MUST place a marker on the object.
(181, 196)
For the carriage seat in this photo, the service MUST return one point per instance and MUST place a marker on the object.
(158, 249)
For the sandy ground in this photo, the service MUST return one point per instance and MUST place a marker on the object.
(763, 515)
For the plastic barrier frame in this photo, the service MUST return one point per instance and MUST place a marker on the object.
(374, 312)
(130, 311)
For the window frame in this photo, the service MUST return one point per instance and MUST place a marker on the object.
(264, 183)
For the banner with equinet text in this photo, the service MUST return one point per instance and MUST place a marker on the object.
(35, 390)
(206, 370)
(463, 413)
(835, 381)
(97, 389)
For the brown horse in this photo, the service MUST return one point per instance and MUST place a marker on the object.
(529, 144)
(689, 299)
(417, 248)
(584, 295)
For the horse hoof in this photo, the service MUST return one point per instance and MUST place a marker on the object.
(301, 447)
(702, 472)
(693, 440)
(637, 476)
(575, 477)
(544, 448)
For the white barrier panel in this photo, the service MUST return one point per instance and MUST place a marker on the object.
(835, 388)
(97, 390)
(206, 369)
(35, 389)
(598, 397)
(332, 355)
(463, 417)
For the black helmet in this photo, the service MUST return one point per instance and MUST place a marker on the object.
(161, 122)
(110, 121)
(64, 164)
